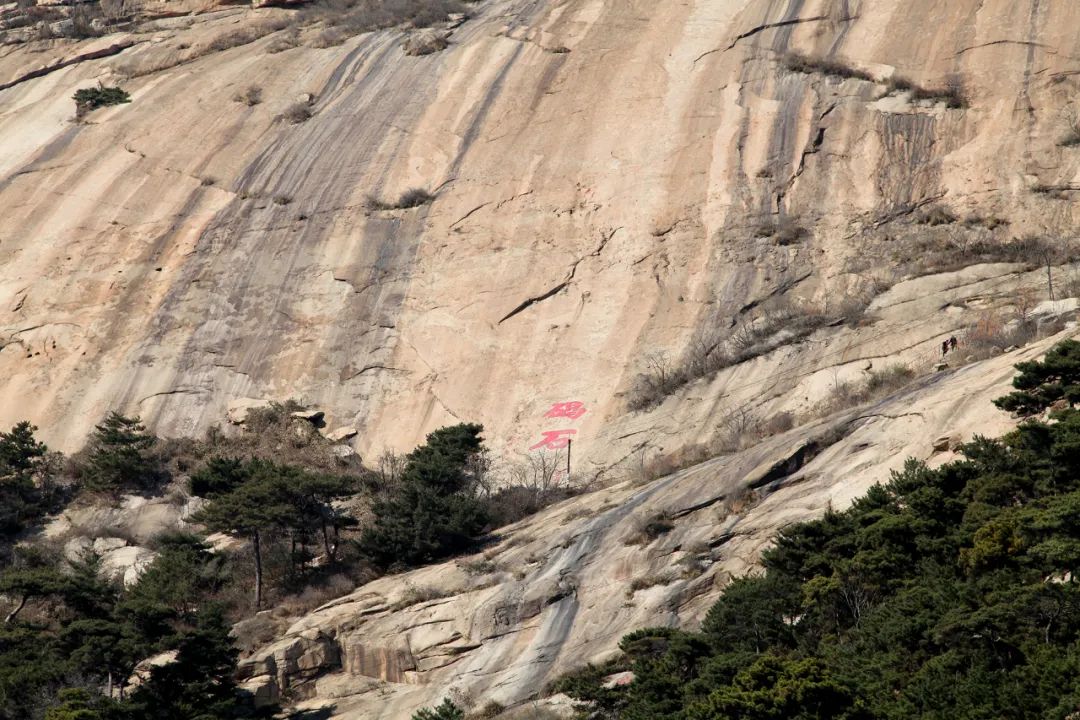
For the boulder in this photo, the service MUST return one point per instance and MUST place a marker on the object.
(340, 434)
(103, 545)
(237, 411)
(127, 563)
(312, 416)
(425, 42)
(943, 443)
(343, 451)
(141, 672)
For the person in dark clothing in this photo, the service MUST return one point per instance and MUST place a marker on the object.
(952, 343)
(944, 348)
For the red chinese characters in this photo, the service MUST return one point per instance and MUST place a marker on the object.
(560, 439)
(554, 439)
(572, 410)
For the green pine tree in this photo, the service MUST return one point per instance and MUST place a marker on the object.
(118, 459)
(434, 511)
(1041, 383)
(446, 710)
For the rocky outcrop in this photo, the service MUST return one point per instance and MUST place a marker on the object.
(559, 589)
(209, 251)
(603, 190)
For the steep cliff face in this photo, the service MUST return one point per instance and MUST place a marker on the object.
(602, 174)
(617, 185)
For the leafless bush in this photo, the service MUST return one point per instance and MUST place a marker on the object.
(738, 502)
(328, 37)
(762, 330)
(483, 566)
(353, 17)
(649, 527)
(785, 231)
(652, 580)
(531, 484)
(878, 384)
(241, 36)
(297, 113)
(937, 253)
(251, 96)
(797, 62)
(951, 92)
(991, 334)
(411, 198)
(937, 215)
(285, 41)
(416, 594)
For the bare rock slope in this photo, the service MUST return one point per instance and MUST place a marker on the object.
(559, 589)
(816, 189)
(612, 180)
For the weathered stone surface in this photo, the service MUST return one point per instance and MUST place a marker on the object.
(313, 416)
(340, 434)
(425, 42)
(237, 411)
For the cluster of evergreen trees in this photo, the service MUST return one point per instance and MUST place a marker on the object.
(948, 593)
(72, 639)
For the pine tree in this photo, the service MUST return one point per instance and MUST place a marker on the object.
(1041, 383)
(434, 512)
(118, 459)
(263, 503)
(199, 684)
(21, 503)
(447, 710)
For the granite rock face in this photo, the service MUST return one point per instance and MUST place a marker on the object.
(609, 189)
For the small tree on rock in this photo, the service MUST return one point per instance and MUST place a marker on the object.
(447, 710)
(1041, 383)
(118, 456)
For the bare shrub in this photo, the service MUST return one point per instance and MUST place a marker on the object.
(286, 41)
(241, 36)
(250, 96)
(483, 566)
(926, 255)
(799, 63)
(878, 384)
(649, 527)
(297, 113)
(951, 92)
(416, 594)
(738, 502)
(328, 37)
(991, 335)
(785, 231)
(937, 215)
(659, 379)
(531, 484)
(644, 582)
(353, 17)
(765, 328)
(411, 198)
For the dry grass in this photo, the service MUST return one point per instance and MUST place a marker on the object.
(411, 198)
(799, 63)
(250, 96)
(416, 594)
(951, 93)
(297, 113)
(644, 582)
(649, 527)
(760, 330)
